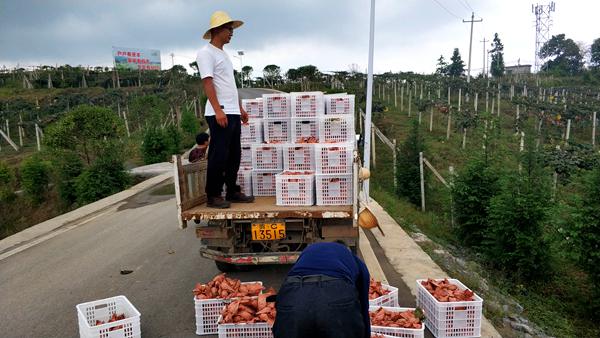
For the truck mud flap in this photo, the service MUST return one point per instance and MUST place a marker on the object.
(251, 258)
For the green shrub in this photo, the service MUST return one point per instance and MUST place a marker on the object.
(6, 183)
(189, 123)
(472, 191)
(68, 166)
(160, 144)
(515, 241)
(105, 177)
(35, 176)
(587, 233)
(173, 138)
(408, 173)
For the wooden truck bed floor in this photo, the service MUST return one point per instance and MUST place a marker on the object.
(264, 207)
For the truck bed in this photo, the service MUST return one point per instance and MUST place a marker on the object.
(264, 207)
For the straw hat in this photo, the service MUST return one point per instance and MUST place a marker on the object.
(219, 18)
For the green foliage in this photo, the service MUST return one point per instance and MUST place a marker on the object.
(147, 108)
(515, 242)
(272, 74)
(472, 191)
(68, 167)
(6, 182)
(105, 177)
(160, 144)
(441, 66)
(457, 67)
(35, 176)
(408, 171)
(86, 130)
(587, 233)
(497, 66)
(595, 54)
(566, 56)
(189, 123)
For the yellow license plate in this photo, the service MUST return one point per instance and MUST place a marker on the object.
(268, 231)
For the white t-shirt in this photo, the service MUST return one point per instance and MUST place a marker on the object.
(214, 62)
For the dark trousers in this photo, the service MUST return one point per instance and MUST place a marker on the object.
(224, 155)
(329, 309)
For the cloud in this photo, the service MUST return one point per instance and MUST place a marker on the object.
(409, 34)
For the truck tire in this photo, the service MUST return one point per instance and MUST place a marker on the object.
(225, 267)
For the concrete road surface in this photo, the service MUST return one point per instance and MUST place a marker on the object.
(40, 286)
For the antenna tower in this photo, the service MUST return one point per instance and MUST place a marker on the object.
(543, 22)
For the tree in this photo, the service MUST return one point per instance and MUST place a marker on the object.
(409, 176)
(472, 191)
(246, 73)
(442, 66)
(497, 67)
(87, 130)
(595, 54)
(292, 74)
(271, 74)
(564, 56)
(189, 123)
(35, 176)
(457, 67)
(6, 182)
(105, 177)
(309, 72)
(515, 240)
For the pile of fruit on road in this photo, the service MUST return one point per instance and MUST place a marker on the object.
(222, 287)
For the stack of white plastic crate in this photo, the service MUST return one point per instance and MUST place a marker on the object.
(334, 153)
(295, 186)
(252, 133)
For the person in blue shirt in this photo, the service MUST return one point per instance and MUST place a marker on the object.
(325, 295)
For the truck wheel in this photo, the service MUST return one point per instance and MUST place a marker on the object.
(225, 267)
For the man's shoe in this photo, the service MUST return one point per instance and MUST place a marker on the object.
(240, 197)
(217, 202)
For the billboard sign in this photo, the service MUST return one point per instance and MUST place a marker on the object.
(135, 58)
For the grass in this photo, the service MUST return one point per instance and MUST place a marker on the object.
(557, 304)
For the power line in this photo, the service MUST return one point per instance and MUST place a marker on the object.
(466, 5)
(446, 9)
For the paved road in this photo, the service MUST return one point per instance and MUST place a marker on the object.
(252, 93)
(40, 286)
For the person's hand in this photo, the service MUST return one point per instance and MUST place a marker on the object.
(221, 118)
(244, 115)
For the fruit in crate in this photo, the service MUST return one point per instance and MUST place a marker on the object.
(376, 290)
(115, 317)
(408, 319)
(297, 173)
(250, 310)
(444, 291)
(222, 287)
(307, 139)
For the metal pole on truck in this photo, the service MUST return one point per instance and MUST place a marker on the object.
(367, 137)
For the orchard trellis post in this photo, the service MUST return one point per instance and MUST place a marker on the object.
(594, 121)
(422, 175)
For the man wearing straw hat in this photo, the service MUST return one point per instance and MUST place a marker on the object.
(224, 113)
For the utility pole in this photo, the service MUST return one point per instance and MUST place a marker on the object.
(472, 21)
(484, 57)
(172, 60)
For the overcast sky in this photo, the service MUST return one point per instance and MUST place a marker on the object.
(409, 34)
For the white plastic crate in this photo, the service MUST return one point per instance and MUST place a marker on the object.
(334, 158)
(252, 131)
(307, 104)
(334, 189)
(380, 335)
(336, 128)
(295, 189)
(397, 331)
(277, 131)
(298, 157)
(264, 182)
(103, 309)
(267, 157)
(303, 128)
(254, 107)
(244, 180)
(208, 312)
(253, 330)
(391, 299)
(276, 105)
(450, 319)
(339, 104)
(246, 158)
